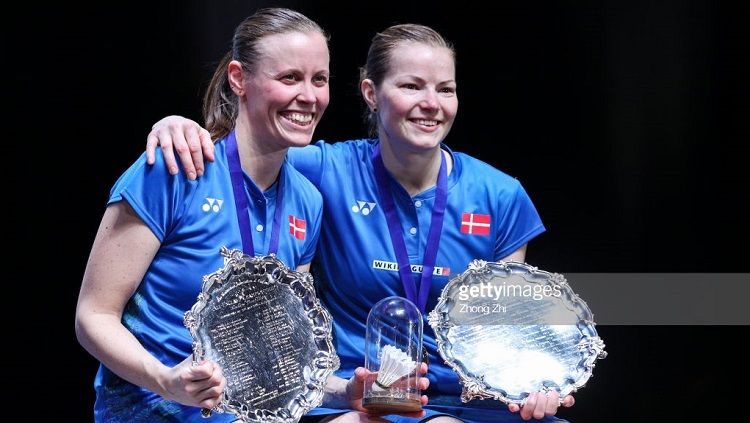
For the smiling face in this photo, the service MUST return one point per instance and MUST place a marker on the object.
(287, 92)
(416, 102)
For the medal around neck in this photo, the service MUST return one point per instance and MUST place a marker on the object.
(262, 323)
(508, 329)
(393, 356)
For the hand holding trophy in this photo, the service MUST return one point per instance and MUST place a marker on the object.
(393, 357)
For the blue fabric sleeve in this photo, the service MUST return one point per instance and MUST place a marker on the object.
(154, 194)
(520, 222)
(308, 161)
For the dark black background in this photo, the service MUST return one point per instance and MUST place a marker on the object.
(625, 121)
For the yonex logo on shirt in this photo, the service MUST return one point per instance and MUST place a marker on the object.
(363, 206)
(212, 204)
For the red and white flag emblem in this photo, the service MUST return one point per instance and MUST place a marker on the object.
(475, 224)
(297, 227)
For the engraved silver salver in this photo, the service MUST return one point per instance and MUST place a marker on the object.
(262, 323)
(508, 329)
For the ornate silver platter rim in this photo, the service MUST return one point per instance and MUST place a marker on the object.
(270, 270)
(589, 345)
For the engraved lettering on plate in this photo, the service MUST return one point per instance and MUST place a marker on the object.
(269, 333)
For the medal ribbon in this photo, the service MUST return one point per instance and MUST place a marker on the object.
(397, 236)
(240, 201)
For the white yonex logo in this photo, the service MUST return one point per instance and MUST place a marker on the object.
(212, 204)
(363, 206)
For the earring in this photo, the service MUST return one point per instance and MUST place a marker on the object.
(374, 109)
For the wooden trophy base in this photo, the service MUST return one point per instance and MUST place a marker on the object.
(387, 405)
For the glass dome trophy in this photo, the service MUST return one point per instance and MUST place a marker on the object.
(393, 351)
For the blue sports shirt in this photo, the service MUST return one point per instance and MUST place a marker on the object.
(193, 219)
(488, 216)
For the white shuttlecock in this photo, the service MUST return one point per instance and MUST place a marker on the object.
(394, 364)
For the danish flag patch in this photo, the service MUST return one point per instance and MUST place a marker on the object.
(297, 227)
(475, 224)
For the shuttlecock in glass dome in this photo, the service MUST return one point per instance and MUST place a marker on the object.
(393, 352)
(394, 364)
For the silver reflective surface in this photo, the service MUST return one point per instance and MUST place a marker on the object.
(509, 329)
(262, 323)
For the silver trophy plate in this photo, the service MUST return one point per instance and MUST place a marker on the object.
(262, 323)
(508, 329)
